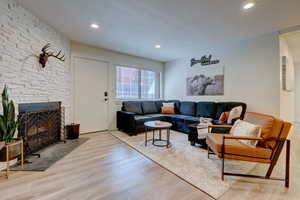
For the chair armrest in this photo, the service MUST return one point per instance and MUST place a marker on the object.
(231, 137)
(219, 126)
(282, 141)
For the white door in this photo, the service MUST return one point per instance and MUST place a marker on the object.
(91, 102)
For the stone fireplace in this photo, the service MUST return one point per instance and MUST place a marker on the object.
(41, 124)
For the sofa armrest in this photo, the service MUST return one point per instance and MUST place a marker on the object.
(126, 113)
(125, 120)
(220, 128)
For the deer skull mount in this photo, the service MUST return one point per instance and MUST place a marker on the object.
(43, 58)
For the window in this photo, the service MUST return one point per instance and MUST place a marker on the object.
(133, 83)
(127, 83)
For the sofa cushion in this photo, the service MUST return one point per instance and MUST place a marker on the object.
(187, 108)
(149, 107)
(141, 119)
(156, 115)
(236, 147)
(270, 127)
(193, 119)
(181, 122)
(159, 105)
(133, 106)
(206, 109)
(183, 117)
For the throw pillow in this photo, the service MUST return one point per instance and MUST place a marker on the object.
(243, 128)
(224, 117)
(168, 105)
(133, 106)
(235, 113)
(167, 110)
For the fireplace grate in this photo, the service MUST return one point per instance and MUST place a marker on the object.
(40, 125)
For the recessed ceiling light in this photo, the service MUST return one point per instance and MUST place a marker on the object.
(249, 5)
(95, 26)
(157, 46)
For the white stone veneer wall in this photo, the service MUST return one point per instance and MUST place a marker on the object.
(22, 35)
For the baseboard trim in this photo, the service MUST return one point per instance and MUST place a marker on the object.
(86, 133)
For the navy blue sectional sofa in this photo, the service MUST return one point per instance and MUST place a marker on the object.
(135, 113)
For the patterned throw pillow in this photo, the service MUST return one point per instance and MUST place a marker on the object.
(243, 128)
(224, 117)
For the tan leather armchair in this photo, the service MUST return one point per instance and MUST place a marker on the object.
(270, 144)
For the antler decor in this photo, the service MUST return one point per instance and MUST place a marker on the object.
(43, 58)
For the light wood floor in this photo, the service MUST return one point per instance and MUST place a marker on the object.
(101, 168)
(105, 168)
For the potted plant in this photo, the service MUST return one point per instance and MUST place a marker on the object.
(8, 127)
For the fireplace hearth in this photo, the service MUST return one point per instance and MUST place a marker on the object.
(41, 124)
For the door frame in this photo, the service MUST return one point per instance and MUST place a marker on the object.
(74, 88)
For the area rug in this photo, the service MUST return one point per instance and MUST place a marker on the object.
(49, 155)
(188, 162)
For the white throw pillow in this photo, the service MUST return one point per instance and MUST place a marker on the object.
(243, 128)
(234, 113)
(168, 105)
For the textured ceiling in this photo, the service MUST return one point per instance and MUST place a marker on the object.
(181, 27)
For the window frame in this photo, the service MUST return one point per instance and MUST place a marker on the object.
(158, 77)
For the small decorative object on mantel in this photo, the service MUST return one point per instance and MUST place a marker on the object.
(43, 58)
(204, 61)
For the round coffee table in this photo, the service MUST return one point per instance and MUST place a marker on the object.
(158, 125)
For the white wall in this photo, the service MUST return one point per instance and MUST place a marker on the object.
(297, 93)
(251, 75)
(287, 98)
(22, 35)
(114, 58)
